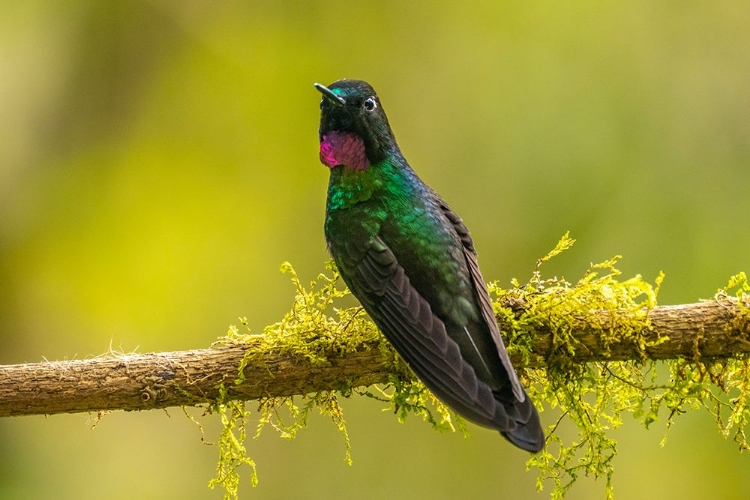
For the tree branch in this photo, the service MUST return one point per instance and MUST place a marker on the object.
(716, 328)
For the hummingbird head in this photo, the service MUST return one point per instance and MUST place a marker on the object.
(354, 130)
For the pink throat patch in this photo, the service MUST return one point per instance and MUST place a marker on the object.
(339, 148)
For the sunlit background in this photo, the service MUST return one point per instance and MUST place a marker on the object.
(159, 160)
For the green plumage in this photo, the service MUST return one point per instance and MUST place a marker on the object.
(410, 261)
(388, 200)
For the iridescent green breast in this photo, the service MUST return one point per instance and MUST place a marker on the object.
(429, 250)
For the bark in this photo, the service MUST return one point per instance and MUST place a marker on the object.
(717, 328)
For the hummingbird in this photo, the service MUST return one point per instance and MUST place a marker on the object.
(411, 263)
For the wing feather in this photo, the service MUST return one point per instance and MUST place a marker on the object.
(480, 287)
(422, 338)
(408, 322)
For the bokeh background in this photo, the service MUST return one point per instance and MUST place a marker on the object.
(158, 162)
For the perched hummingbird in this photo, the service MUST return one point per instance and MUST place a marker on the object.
(411, 262)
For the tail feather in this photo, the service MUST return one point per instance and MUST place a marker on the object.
(527, 434)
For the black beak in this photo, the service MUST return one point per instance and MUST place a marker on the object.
(328, 94)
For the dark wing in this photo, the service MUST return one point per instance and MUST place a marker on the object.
(528, 433)
(406, 319)
(483, 297)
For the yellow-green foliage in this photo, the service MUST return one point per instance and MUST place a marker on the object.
(591, 397)
(309, 331)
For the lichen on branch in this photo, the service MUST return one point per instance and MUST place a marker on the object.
(589, 352)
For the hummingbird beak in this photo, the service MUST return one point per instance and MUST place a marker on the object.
(328, 94)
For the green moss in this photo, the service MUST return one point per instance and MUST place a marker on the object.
(232, 451)
(591, 397)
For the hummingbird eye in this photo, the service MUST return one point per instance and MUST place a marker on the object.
(370, 104)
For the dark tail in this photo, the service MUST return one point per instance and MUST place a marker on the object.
(528, 434)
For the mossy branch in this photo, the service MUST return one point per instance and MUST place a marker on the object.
(718, 328)
(588, 352)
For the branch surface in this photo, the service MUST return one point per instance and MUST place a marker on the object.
(716, 328)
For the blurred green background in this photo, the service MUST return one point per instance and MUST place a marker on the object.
(159, 161)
